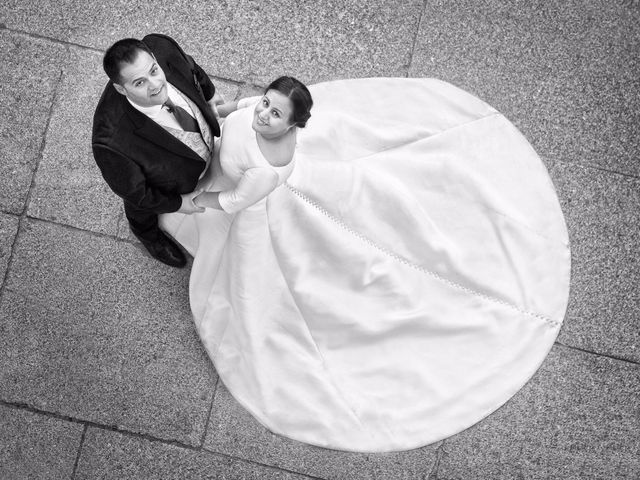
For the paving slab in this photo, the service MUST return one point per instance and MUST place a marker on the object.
(602, 211)
(233, 431)
(247, 40)
(578, 418)
(50, 18)
(8, 231)
(28, 78)
(36, 446)
(565, 72)
(112, 455)
(68, 187)
(96, 330)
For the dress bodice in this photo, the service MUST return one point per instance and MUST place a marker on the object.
(239, 148)
(248, 175)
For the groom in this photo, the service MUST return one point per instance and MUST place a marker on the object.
(153, 134)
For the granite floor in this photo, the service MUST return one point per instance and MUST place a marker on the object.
(101, 372)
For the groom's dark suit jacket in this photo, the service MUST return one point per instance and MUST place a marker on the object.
(142, 162)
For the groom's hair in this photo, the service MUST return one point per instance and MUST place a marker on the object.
(123, 51)
(299, 95)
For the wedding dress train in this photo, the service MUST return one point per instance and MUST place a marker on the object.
(408, 275)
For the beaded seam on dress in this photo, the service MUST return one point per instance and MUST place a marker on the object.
(553, 323)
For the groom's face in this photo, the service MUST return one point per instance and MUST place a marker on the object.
(143, 81)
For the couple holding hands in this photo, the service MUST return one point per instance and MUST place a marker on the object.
(375, 277)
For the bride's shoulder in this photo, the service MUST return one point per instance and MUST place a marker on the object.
(239, 113)
(243, 110)
(248, 102)
(237, 123)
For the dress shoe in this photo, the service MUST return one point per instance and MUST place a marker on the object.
(165, 250)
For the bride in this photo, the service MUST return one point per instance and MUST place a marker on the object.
(381, 275)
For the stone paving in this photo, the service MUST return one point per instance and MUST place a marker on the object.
(101, 372)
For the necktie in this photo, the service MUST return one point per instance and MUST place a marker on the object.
(186, 121)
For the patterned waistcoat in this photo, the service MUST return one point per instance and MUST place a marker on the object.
(201, 143)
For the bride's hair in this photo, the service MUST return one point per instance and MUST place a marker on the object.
(299, 95)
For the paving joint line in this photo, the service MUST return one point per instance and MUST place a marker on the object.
(440, 452)
(206, 424)
(10, 259)
(139, 435)
(113, 237)
(614, 172)
(101, 426)
(266, 465)
(83, 230)
(80, 447)
(415, 37)
(43, 144)
(237, 83)
(50, 39)
(599, 354)
(9, 212)
(588, 166)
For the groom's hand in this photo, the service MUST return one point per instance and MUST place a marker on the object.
(188, 206)
(214, 102)
(227, 108)
(217, 99)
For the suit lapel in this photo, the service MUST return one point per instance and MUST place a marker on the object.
(154, 133)
(188, 86)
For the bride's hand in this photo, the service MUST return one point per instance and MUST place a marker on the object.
(208, 200)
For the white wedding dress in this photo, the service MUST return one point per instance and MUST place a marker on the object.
(405, 279)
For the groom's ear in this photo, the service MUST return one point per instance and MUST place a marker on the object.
(120, 89)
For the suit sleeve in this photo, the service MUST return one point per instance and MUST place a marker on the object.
(255, 184)
(208, 89)
(127, 180)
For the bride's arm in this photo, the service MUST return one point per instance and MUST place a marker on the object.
(255, 184)
(226, 108)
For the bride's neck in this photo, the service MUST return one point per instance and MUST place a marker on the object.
(278, 138)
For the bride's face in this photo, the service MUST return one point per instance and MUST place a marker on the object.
(272, 114)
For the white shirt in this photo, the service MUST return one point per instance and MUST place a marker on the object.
(161, 115)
